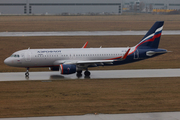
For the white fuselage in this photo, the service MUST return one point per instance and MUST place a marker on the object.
(54, 57)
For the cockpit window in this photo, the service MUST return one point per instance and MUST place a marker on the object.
(14, 55)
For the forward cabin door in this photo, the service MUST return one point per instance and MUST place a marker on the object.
(28, 56)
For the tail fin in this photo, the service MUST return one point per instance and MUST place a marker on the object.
(152, 37)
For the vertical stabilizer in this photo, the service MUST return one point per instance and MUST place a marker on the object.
(152, 37)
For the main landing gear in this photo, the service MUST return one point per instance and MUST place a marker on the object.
(79, 73)
(27, 73)
(86, 73)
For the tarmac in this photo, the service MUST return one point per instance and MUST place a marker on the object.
(95, 74)
(133, 116)
(84, 33)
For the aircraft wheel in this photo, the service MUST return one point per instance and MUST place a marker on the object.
(79, 74)
(87, 73)
(26, 74)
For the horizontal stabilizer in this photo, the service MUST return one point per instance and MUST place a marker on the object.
(151, 53)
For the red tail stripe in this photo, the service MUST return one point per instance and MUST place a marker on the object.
(150, 40)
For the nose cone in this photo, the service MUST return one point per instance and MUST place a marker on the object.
(8, 61)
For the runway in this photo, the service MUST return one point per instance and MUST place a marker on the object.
(133, 116)
(95, 74)
(84, 33)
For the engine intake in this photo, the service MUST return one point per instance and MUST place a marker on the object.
(54, 68)
(67, 69)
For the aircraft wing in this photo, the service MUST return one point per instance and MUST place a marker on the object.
(85, 62)
(92, 62)
(126, 54)
(95, 62)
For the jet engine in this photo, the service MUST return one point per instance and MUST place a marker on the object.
(54, 68)
(67, 69)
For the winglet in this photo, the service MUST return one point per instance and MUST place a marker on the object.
(84, 46)
(126, 54)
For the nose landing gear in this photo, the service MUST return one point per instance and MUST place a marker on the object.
(27, 73)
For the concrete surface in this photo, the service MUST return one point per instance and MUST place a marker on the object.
(95, 74)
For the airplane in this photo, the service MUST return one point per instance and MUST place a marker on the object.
(75, 60)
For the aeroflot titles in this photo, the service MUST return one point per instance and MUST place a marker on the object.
(56, 51)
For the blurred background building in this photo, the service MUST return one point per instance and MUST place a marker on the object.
(151, 6)
(61, 7)
(87, 7)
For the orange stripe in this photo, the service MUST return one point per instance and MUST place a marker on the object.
(61, 69)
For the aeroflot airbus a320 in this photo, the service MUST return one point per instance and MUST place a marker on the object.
(69, 61)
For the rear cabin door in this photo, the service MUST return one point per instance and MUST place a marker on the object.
(136, 54)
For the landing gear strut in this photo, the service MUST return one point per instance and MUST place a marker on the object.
(27, 73)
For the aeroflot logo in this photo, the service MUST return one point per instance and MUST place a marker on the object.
(51, 51)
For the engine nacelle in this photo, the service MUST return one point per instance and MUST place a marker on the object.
(67, 69)
(54, 68)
